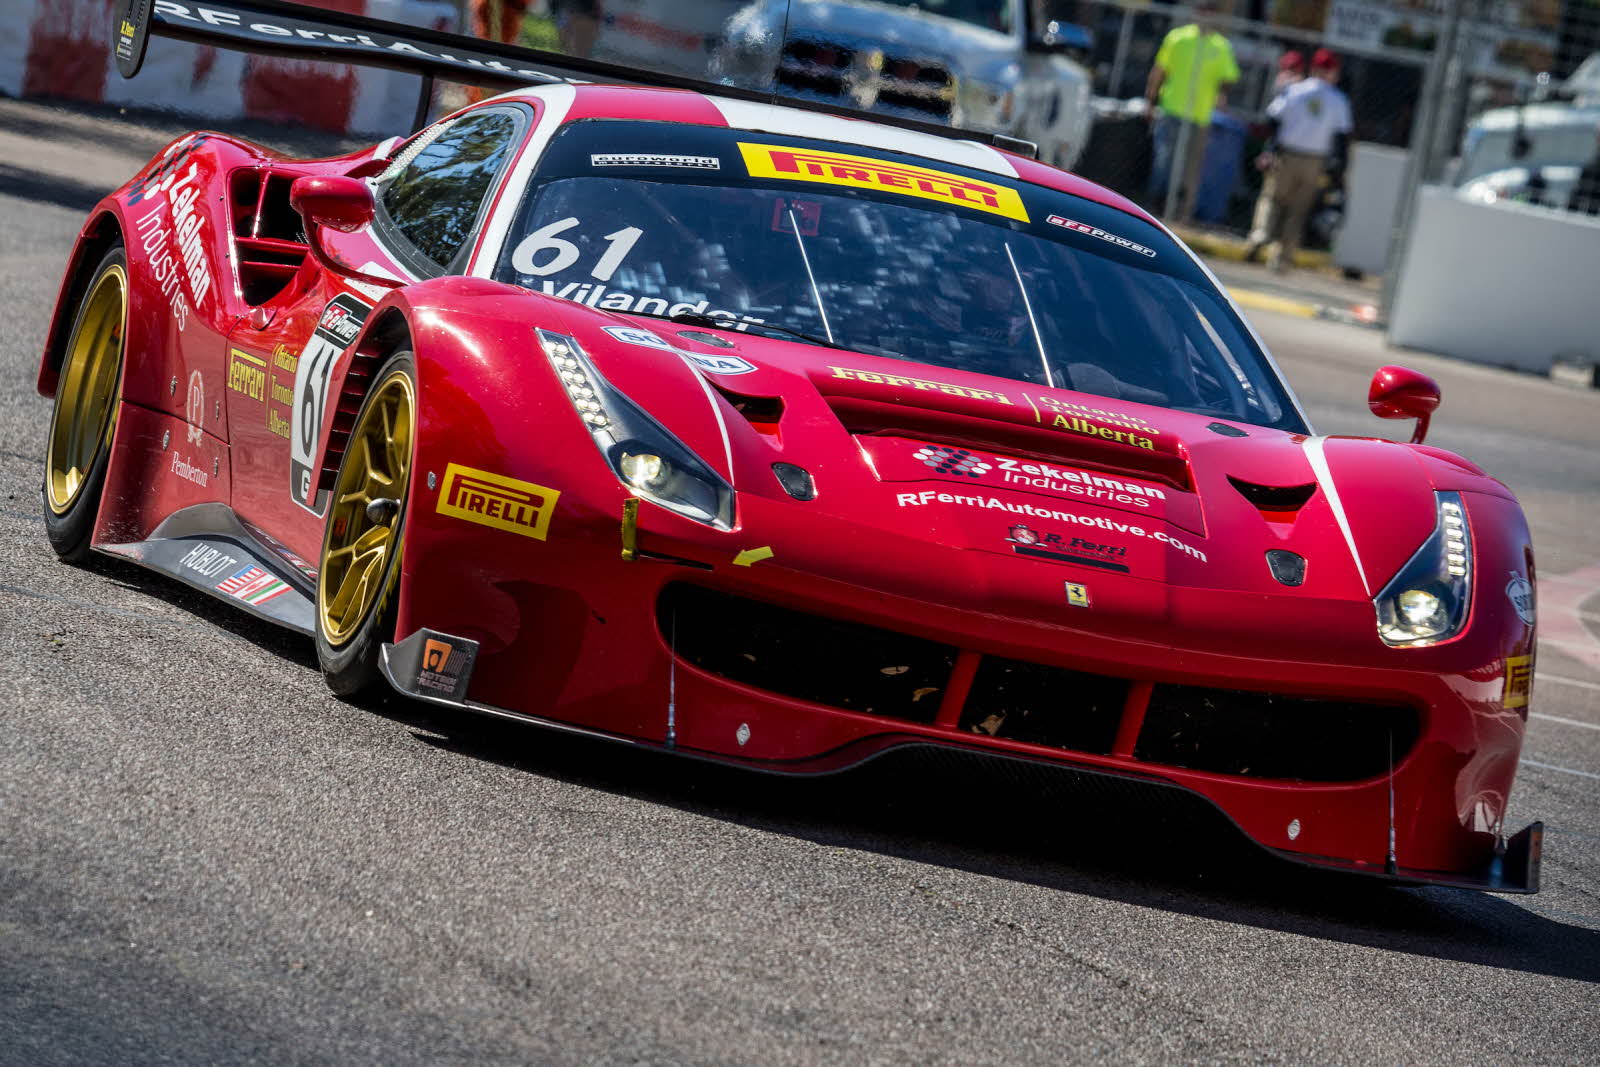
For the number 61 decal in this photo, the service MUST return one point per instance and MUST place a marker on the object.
(340, 323)
(544, 240)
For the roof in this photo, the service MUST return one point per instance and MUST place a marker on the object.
(682, 105)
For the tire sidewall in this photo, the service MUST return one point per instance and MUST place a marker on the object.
(352, 668)
(70, 533)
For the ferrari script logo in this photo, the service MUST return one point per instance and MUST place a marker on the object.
(495, 500)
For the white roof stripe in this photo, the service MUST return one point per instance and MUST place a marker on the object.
(792, 122)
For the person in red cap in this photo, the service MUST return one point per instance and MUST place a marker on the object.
(1311, 132)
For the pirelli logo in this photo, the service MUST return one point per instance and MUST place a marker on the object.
(494, 500)
(862, 172)
(1518, 683)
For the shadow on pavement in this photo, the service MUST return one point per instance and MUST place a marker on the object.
(997, 825)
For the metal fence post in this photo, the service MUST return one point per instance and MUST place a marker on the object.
(1425, 142)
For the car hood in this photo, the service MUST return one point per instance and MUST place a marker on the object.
(1063, 479)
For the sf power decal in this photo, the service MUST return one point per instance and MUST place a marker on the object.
(337, 329)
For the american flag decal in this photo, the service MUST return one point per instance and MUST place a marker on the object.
(252, 585)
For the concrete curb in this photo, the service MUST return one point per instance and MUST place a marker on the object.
(1224, 246)
(1365, 315)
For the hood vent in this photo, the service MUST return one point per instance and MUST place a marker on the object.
(1275, 498)
(764, 413)
(867, 418)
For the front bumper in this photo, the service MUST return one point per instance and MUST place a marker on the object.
(413, 666)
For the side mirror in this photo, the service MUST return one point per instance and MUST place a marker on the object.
(1400, 393)
(343, 204)
(339, 203)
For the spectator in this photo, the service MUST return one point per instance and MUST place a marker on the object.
(1311, 133)
(1291, 69)
(1193, 67)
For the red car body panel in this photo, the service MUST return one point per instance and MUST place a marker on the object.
(568, 631)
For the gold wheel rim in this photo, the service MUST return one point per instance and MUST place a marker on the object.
(358, 548)
(86, 394)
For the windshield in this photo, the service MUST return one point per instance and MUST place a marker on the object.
(950, 276)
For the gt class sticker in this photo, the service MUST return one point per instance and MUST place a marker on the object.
(864, 172)
(341, 321)
(496, 501)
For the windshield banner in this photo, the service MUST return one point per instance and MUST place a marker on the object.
(863, 172)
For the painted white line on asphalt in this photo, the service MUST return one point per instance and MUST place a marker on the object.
(1569, 722)
(1563, 770)
(1556, 678)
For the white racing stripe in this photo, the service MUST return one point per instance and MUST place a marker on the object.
(1563, 770)
(1319, 466)
(1569, 722)
(791, 122)
(1557, 679)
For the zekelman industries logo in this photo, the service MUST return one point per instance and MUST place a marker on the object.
(952, 461)
(864, 172)
(497, 501)
(1062, 481)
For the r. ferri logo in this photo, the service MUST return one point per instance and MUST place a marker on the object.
(862, 172)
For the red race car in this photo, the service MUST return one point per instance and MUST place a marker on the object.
(786, 440)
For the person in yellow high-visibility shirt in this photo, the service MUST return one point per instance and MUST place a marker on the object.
(1193, 67)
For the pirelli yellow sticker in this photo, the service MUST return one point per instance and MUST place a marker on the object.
(1518, 682)
(494, 500)
(862, 172)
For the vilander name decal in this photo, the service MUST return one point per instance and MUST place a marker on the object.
(864, 172)
(494, 500)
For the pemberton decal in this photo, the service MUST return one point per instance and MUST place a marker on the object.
(652, 159)
(1095, 231)
(336, 331)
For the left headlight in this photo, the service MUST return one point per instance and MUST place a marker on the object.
(1427, 601)
(644, 455)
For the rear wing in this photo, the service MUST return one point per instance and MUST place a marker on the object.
(276, 27)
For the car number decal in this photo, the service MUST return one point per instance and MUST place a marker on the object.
(341, 321)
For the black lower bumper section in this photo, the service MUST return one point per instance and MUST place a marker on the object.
(437, 667)
(1516, 870)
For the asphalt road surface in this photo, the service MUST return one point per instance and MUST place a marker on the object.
(206, 858)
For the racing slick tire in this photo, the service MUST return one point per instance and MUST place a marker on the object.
(84, 416)
(358, 574)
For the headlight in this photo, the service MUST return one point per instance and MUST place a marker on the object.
(643, 454)
(1428, 600)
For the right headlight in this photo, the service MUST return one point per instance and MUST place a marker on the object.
(1427, 601)
(644, 455)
